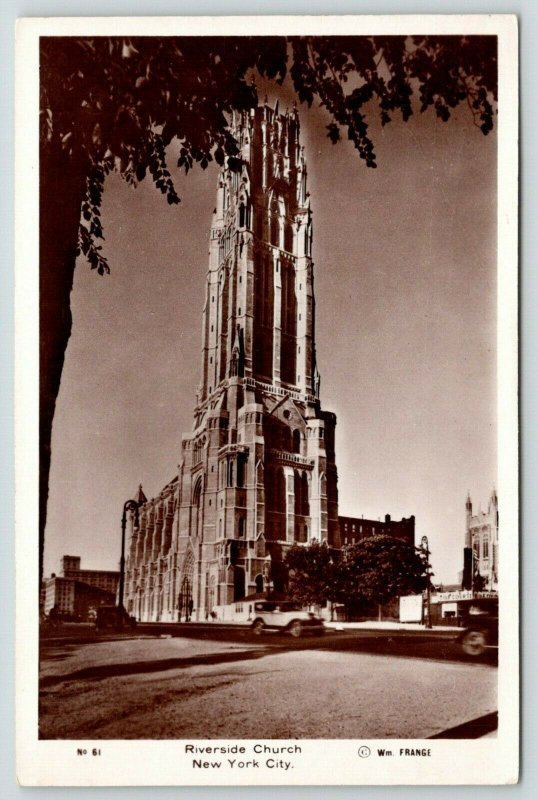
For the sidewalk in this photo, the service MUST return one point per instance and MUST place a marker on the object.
(366, 625)
(388, 625)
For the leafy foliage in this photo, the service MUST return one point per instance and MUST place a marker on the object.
(313, 575)
(380, 568)
(116, 103)
(375, 570)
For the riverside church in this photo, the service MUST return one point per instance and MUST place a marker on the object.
(257, 473)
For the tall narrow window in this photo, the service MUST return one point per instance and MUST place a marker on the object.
(241, 470)
(289, 323)
(263, 315)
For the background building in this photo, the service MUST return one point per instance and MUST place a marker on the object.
(258, 472)
(481, 551)
(74, 599)
(352, 529)
(75, 591)
(100, 578)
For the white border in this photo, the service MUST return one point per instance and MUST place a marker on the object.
(325, 762)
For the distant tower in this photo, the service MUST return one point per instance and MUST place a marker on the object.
(467, 580)
(481, 551)
(468, 517)
(70, 564)
(258, 473)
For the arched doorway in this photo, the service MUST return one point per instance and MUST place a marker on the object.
(258, 580)
(211, 598)
(185, 602)
(185, 598)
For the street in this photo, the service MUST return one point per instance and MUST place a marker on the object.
(204, 682)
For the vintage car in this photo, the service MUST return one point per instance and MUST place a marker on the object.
(480, 619)
(286, 616)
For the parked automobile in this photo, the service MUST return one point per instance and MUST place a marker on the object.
(285, 616)
(480, 619)
(113, 617)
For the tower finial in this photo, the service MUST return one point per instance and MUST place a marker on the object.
(140, 497)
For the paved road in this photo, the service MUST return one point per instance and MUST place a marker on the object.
(437, 644)
(234, 685)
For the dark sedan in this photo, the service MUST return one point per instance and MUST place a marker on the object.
(480, 620)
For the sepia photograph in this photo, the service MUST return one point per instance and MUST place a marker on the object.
(273, 389)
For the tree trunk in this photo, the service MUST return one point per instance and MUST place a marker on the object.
(61, 190)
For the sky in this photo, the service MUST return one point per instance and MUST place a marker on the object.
(405, 283)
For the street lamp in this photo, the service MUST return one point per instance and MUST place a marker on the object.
(129, 505)
(424, 547)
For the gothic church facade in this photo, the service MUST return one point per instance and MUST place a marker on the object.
(481, 551)
(257, 474)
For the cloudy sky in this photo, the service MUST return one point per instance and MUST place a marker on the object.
(405, 282)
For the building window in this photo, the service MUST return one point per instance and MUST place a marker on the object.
(241, 470)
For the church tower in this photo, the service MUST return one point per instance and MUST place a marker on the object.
(257, 473)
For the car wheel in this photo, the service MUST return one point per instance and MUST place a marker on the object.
(295, 628)
(474, 643)
(258, 626)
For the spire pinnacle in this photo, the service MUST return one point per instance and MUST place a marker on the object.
(140, 497)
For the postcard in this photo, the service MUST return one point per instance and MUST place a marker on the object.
(266, 401)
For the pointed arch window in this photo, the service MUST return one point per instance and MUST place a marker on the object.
(243, 213)
(241, 468)
(197, 519)
(281, 222)
(274, 222)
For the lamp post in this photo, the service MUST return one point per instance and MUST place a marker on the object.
(424, 546)
(129, 505)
